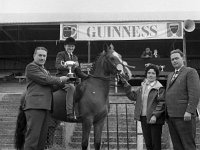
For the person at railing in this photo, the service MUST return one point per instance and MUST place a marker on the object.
(182, 97)
(155, 54)
(149, 107)
(147, 53)
(63, 56)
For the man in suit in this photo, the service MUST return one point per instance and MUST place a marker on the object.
(38, 99)
(182, 97)
(63, 56)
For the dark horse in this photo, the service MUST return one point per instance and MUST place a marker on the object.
(91, 95)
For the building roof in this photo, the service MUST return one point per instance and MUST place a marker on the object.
(41, 11)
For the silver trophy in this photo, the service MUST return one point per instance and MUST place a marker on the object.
(162, 67)
(69, 65)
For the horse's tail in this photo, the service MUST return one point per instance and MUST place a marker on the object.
(20, 127)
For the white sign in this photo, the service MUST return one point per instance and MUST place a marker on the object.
(86, 66)
(122, 31)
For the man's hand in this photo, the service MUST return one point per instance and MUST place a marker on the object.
(187, 116)
(67, 86)
(64, 79)
(76, 64)
(152, 120)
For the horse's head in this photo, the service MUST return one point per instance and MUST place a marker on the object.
(113, 62)
(109, 63)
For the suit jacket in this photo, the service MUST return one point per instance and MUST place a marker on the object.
(155, 102)
(39, 87)
(182, 95)
(63, 56)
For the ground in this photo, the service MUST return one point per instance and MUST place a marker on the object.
(12, 87)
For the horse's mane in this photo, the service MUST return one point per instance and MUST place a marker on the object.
(99, 59)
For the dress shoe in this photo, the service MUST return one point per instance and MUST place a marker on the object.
(71, 117)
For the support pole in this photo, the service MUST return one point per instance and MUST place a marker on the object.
(139, 136)
(88, 148)
(89, 51)
(184, 48)
(116, 89)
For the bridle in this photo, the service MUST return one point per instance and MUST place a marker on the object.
(114, 66)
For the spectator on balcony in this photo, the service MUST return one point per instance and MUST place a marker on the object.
(150, 106)
(147, 53)
(155, 54)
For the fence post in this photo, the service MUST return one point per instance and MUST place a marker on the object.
(68, 129)
(116, 90)
(139, 136)
(170, 143)
(88, 148)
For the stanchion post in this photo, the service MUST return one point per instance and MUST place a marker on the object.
(88, 144)
(116, 90)
(139, 136)
(170, 143)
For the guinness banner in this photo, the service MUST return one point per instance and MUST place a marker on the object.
(122, 31)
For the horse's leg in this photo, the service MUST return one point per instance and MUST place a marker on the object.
(86, 127)
(98, 127)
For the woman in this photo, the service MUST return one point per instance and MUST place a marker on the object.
(149, 108)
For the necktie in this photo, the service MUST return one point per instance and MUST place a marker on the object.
(174, 76)
(71, 56)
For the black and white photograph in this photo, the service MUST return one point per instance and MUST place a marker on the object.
(99, 75)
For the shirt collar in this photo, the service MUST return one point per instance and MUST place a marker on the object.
(152, 83)
(69, 53)
(178, 69)
(149, 83)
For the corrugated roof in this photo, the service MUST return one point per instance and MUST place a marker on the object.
(39, 11)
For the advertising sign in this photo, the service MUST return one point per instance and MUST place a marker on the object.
(122, 31)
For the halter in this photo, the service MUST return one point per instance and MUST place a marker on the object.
(108, 78)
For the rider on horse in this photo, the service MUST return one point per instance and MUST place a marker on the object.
(63, 56)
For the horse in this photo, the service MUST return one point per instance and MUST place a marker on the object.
(91, 95)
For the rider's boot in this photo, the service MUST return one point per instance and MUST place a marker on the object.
(70, 88)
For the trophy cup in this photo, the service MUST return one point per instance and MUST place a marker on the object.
(69, 64)
(162, 67)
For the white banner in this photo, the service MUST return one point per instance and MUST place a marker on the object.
(122, 31)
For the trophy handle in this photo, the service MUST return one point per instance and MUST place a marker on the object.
(62, 63)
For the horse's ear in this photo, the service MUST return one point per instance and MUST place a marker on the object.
(103, 52)
(105, 47)
(111, 47)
